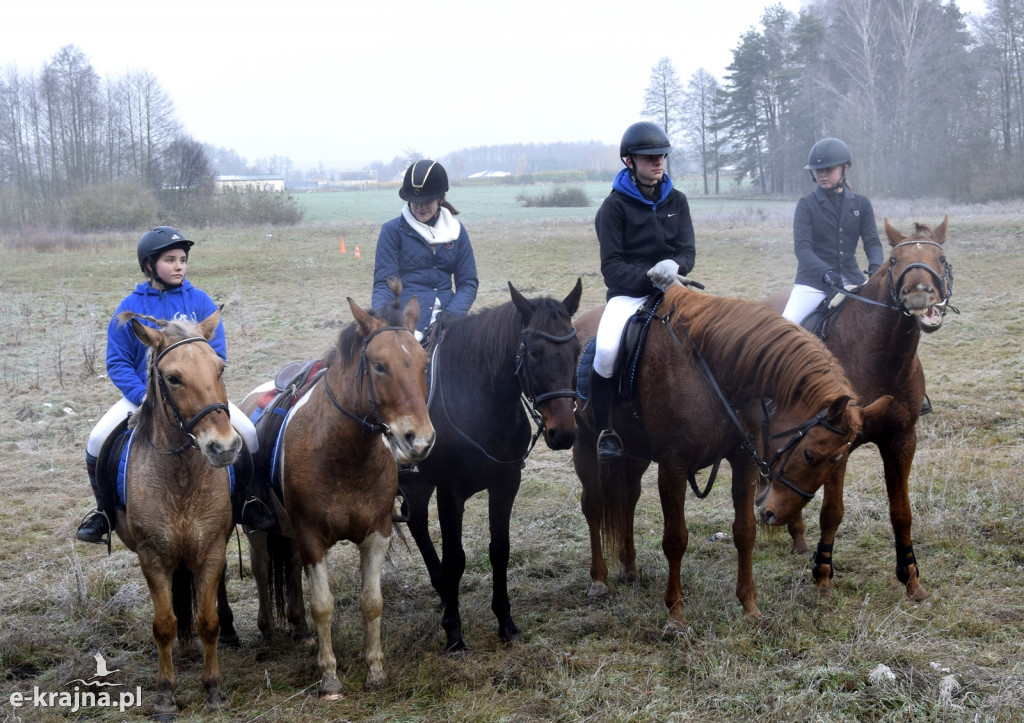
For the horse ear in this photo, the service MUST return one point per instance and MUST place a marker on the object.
(521, 302)
(209, 325)
(939, 235)
(572, 301)
(874, 412)
(893, 235)
(837, 409)
(146, 334)
(411, 312)
(364, 320)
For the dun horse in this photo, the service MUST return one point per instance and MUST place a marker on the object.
(875, 335)
(338, 473)
(487, 367)
(177, 516)
(717, 379)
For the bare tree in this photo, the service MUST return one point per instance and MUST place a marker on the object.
(663, 101)
(701, 123)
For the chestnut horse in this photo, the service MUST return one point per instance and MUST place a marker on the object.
(177, 514)
(487, 367)
(338, 474)
(717, 379)
(875, 334)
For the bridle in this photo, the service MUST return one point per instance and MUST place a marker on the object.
(165, 396)
(529, 398)
(378, 426)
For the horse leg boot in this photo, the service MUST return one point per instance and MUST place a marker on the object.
(609, 445)
(96, 527)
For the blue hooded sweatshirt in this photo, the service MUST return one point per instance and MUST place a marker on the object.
(126, 354)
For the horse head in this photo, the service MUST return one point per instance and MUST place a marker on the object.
(186, 387)
(803, 455)
(920, 278)
(546, 362)
(393, 366)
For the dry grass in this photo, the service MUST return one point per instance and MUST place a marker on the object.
(958, 656)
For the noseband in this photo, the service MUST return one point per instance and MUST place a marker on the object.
(165, 396)
(944, 283)
(786, 451)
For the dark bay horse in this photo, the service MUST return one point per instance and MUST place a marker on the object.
(875, 337)
(339, 477)
(177, 514)
(779, 404)
(483, 369)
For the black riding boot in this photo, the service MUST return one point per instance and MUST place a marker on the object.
(96, 526)
(602, 397)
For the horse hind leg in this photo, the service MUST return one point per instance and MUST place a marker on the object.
(500, 516)
(372, 552)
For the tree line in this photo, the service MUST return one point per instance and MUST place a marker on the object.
(928, 106)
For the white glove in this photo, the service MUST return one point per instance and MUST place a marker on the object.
(663, 274)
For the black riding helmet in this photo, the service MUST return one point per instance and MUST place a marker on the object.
(828, 152)
(644, 138)
(160, 239)
(424, 181)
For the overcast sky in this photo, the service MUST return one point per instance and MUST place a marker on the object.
(353, 81)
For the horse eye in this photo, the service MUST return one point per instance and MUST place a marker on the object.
(534, 354)
(380, 368)
(809, 457)
(174, 380)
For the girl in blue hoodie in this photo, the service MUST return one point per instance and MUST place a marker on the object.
(168, 295)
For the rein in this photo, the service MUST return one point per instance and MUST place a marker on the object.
(378, 426)
(783, 453)
(165, 396)
(528, 399)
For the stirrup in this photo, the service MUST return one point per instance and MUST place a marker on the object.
(609, 446)
(104, 537)
(926, 406)
(262, 516)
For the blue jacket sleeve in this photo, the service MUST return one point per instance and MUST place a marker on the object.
(385, 263)
(464, 276)
(125, 357)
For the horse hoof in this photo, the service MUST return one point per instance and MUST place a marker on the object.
(823, 591)
(165, 709)
(456, 650)
(918, 594)
(230, 641)
(216, 702)
(598, 593)
(512, 638)
(677, 630)
(800, 547)
(330, 689)
(375, 680)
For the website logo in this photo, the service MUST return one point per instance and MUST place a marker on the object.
(91, 693)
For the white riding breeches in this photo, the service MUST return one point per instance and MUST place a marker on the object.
(802, 301)
(609, 331)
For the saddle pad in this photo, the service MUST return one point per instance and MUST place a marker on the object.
(634, 334)
(122, 465)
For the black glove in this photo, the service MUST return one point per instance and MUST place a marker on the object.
(832, 278)
(872, 269)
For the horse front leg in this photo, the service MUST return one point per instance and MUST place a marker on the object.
(672, 491)
(896, 458)
(165, 628)
(744, 533)
(208, 578)
(499, 515)
(832, 511)
(418, 494)
(372, 552)
(453, 564)
(321, 605)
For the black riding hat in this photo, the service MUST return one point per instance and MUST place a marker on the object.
(424, 181)
(826, 153)
(160, 239)
(644, 138)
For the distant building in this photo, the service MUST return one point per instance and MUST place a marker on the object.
(490, 174)
(247, 184)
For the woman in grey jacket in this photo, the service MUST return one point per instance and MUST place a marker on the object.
(826, 227)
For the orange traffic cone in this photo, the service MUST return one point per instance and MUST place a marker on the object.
(356, 254)
(342, 244)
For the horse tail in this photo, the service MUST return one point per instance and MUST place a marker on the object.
(183, 601)
(280, 559)
(617, 505)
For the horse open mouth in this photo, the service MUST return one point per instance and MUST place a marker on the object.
(929, 319)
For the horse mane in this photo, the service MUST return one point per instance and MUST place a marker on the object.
(766, 355)
(922, 229)
(350, 341)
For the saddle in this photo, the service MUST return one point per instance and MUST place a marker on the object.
(290, 384)
(627, 363)
(819, 322)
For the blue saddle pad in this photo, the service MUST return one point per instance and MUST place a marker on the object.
(122, 465)
(586, 364)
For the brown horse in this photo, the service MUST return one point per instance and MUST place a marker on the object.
(339, 476)
(875, 335)
(718, 379)
(178, 507)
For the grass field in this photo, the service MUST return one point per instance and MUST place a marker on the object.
(957, 657)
